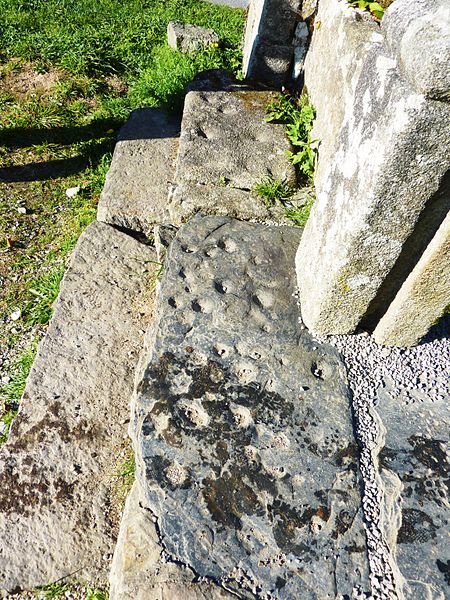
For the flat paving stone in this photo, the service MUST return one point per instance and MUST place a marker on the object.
(414, 466)
(142, 170)
(57, 512)
(242, 422)
(225, 137)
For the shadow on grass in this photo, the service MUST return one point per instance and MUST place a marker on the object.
(147, 123)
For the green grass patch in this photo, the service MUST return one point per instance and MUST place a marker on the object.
(272, 190)
(299, 215)
(60, 589)
(11, 393)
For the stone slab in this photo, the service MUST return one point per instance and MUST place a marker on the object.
(414, 467)
(187, 200)
(419, 35)
(384, 174)
(140, 569)
(57, 516)
(187, 38)
(142, 169)
(242, 423)
(224, 137)
(423, 297)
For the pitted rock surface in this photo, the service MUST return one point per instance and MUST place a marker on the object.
(242, 422)
(224, 137)
(414, 466)
(56, 513)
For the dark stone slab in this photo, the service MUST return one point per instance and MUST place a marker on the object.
(414, 466)
(242, 422)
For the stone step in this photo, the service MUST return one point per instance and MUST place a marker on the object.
(226, 148)
(142, 169)
(242, 423)
(57, 512)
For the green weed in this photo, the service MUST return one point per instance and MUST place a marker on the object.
(272, 191)
(43, 291)
(298, 117)
(299, 215)
(11, 393)
(373, 7)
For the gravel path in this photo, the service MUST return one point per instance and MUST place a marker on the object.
(410, 376)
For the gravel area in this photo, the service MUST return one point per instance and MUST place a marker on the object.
(409, 375)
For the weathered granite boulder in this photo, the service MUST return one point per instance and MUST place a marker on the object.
(56, 501)
(418, 34)
(268, 49)
(332, 69)
(423, 297)
(225, 139)
(242, 423)
(140, 569)
(414, 465)
(187, 38)
(142, 169)
(382, 175)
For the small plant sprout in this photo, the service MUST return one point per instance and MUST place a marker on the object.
(272, 191)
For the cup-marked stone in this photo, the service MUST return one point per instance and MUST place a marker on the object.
(242, 422)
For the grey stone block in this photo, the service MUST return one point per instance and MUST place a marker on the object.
(383, 167)
(422, 298)
(242, 423)
(142, 169)
(138, 570)
(187, 38)
(224, 137)
(413, 464)
(272, 64)
(268, 38)
(188, 200)
(56, 513)
(419, 35)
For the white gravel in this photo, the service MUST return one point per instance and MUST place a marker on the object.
(410, 376)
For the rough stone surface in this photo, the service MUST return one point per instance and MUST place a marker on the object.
(140, 569)
(414, 466)
(142, 169)
(419, 35)
(56, 517)
(332, 69)
(187, 38)
(268, 50)
(225, 138)
(390, 158)
(422, 298)
(188, 200)
(242, 422)
(401, 422)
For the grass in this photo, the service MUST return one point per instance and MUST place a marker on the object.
(70, 74)
(272, 190)
(299, 215)
(124, 476)
(11, 392)
(60, 589)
